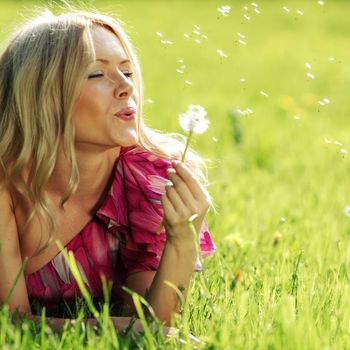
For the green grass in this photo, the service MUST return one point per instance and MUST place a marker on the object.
(280, 176)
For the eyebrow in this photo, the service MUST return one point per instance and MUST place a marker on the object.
(106, 61)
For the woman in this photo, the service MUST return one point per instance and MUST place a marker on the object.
(79, 166)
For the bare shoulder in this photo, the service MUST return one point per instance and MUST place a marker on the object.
(10, 255)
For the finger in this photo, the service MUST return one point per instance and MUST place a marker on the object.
(187, 175)
(182, 190)
(175, 199)
(169, 210)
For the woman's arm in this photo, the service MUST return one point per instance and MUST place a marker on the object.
(185, 198)
(10, 257)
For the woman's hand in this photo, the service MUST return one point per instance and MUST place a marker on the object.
(185, 197)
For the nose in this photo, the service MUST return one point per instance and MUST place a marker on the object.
(125, 88)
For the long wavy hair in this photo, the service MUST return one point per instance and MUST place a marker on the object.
(42, 68)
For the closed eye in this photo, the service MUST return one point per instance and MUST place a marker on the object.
(95, 75)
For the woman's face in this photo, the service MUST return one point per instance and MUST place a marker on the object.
(105, 113)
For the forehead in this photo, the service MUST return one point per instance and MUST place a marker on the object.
(107, 45)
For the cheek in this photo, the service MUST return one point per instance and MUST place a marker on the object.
(89, 101)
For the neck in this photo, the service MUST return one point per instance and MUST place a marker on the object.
(95, 168)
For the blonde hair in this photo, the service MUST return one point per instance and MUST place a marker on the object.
(41, 72)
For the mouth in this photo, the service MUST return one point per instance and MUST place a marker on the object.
(127, 113)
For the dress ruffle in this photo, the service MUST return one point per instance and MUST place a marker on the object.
(133, 210)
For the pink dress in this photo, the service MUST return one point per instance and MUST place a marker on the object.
(119, 240)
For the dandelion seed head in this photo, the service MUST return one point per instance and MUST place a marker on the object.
(166, 42)
(221, 53)
(282, 219)
(194, 119)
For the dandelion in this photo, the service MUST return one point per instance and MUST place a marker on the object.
(221, 53)
(310, 75)
(346, 210)
(193, 121)
(224, 10)
(166, 42)
(263, 93)
(277, 238)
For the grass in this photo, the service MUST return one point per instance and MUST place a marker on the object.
(280, 277)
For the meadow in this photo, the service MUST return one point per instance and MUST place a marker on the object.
(273, 77)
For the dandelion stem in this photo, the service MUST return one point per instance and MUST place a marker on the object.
(186, 147)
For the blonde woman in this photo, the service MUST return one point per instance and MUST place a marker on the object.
(79, 166)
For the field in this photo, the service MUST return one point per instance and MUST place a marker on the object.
(277, 151)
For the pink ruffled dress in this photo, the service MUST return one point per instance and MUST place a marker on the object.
(121, 237)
